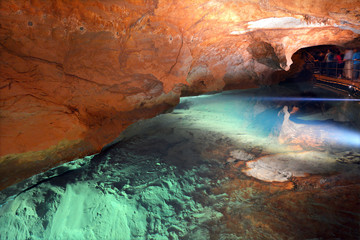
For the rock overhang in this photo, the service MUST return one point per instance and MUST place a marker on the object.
(75, 74)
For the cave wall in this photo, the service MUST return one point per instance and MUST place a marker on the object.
(74, 74)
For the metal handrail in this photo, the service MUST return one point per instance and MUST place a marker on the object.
(334, 69)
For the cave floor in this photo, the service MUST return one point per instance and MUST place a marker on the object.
(222, 166)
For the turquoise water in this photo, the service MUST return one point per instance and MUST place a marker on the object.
(203, 171)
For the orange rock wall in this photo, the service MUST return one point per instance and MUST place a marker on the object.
(74, 74)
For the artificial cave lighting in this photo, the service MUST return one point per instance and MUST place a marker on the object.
(179, 120)
(217, 165)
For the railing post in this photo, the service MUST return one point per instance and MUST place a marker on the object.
(336, 70)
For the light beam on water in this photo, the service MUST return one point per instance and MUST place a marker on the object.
(308, 99)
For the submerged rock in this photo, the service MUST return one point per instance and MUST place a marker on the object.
(75, 74)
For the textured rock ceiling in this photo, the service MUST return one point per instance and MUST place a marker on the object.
(74, 74)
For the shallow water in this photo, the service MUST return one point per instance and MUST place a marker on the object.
(213, 168)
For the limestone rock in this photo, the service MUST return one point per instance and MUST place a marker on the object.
(74, 74)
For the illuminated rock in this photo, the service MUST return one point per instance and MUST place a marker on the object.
(75, 74)
(311, 136)
(282, 167)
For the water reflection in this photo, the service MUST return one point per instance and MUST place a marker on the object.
(225, 166)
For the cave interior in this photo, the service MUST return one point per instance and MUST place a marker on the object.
(194, 120)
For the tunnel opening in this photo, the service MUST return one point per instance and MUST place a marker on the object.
(327, 60)
(306, 62)
(311, 69)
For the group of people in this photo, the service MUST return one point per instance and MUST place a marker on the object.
(336, 64)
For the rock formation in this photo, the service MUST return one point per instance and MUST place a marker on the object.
(74, 74)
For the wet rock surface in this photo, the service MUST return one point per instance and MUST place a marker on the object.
(203, 171)
(75, 74)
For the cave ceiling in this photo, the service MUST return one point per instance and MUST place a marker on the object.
(75, 74)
